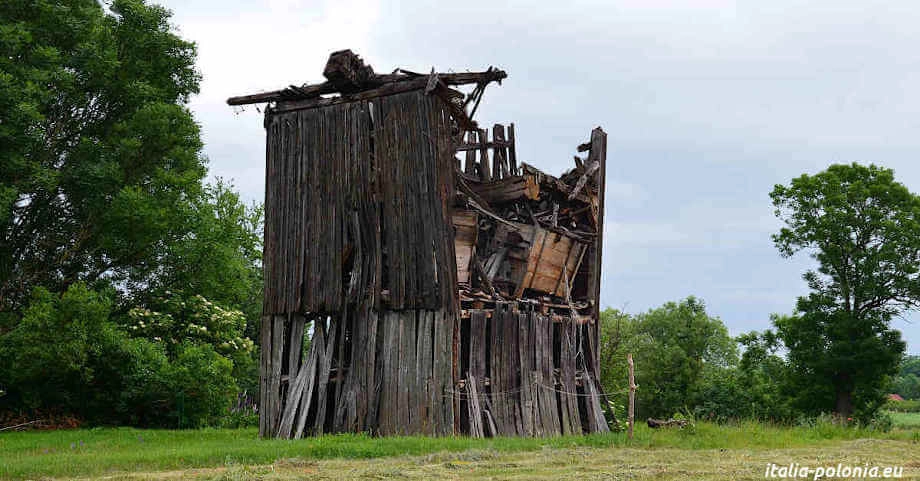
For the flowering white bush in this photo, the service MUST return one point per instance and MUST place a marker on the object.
(194, 319)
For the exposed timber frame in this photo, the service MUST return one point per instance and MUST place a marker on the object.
(442, 287)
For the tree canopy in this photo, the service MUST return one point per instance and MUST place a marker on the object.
(129, 287)
(863, 229)
(672, 346)
(101, 157)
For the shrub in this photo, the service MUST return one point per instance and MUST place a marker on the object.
(67, 356)
(881, 422)
(204, 386)
(56, 356)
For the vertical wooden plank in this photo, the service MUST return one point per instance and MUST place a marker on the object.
(512, 155)
(525, 354)
(302, 381)
(477, 343)
(265, 397)
(278, 347)
(501, 170)
(406, 359)
(475, 412)
(317, 348)
(599, 153)
(435, 396)
(322, 384)
(341, 346)
(540, 405)
(511, 358)
(484, 167)
(554, 407)
(388, 404)
(421, 401)
(596, 412)
(496, 371)
(567, 372)
(295, 344)
(470, 164)
(448, 380)
(631, 413)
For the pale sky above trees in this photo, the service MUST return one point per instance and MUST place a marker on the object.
(707, 105)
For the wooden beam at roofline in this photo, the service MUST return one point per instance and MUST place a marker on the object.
(312, 91)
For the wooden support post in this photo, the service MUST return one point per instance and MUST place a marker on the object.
(512, 155)
(499, 158)
(631, 414)
(484, 169)
(470, 165)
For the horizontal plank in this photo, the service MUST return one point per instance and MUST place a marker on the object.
(311, 91)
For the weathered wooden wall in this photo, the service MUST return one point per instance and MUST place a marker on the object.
(359, 249)
(409, 291)
(538, 381)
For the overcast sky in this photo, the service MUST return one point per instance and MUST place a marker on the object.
(707, 104)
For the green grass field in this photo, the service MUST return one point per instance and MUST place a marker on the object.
(905, 420)
(705, 452)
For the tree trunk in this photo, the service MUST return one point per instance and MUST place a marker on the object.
(844, 406)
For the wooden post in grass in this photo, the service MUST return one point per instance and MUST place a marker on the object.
(631, 414)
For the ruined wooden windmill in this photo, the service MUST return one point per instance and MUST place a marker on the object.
(448, 288)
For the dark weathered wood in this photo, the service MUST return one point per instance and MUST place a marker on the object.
(522, 372)
(265, 394)
(485, 173)
(599, 153)
(469, 166)
(512, 153)
(275, 387)
(598, 424)
(311, 91)
(500, 153)
(317, 347)
(472, 145)
(508, 189)
(347, 72)
(475, 411)
(631, 413)
(361, 237)
(322, 383)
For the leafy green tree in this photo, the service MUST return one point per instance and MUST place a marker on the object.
(220, 258)
(671, 346)
(616, 340)
(863, 229)
(104, 217)
(762, 377)
(100, 156)
(907, 382)
(52, 356)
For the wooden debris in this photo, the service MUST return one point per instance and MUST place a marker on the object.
(347, 72)
(448, 288)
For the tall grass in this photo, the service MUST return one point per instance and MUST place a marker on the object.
(90, 452)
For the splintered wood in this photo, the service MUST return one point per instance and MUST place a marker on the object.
(442, 286)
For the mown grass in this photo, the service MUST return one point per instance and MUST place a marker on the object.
(106, 451)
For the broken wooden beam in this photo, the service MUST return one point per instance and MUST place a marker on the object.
(508, 189)
(313, 91)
